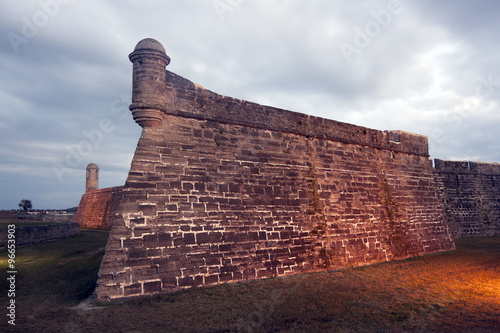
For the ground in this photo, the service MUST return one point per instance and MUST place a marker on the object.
(457, 291)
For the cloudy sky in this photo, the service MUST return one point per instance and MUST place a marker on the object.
(427, 67)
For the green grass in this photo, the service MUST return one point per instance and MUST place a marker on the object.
(457, 291)
(64, 271)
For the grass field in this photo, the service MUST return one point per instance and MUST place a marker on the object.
(457, 291)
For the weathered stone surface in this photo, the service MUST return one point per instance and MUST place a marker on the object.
(224, 190)
(97, 208)
(471, 192)
(91, 177)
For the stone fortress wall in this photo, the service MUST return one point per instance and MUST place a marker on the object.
(471, 193)
(98, 207)
(225, 190)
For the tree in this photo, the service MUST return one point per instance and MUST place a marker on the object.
(25, 204)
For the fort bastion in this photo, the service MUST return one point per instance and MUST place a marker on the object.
(225, 190)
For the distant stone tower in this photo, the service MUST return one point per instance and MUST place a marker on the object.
(92, 178)
(149, 95)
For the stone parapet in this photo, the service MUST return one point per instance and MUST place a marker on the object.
(187, 99)
(466, 167)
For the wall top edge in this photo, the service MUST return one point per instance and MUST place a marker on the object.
(472, 167)
(188, 99)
